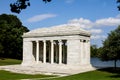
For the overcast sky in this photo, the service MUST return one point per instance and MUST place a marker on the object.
(97, 16)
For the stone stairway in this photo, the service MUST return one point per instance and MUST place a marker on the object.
(48, 69)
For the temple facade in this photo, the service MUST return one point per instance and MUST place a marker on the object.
(69, 45)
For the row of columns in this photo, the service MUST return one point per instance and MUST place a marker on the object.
(84, 51)
(52, 51)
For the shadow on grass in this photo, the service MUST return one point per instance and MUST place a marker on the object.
(114, 71)
(115, 76)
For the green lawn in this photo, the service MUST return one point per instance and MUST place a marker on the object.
(94, 75)
(6, 75)
(103, 74)
(9, 62)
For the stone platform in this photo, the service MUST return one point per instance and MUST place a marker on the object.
(48, 69)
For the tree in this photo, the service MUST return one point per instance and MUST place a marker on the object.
(118, 1)
(11, 30)
(22, 4)
(111, 47)
(93, 51)
(19, 5)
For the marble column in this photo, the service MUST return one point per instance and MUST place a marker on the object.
(60, 52)
(88, 51)
(37, 51)
(52, 52)
(44, 51)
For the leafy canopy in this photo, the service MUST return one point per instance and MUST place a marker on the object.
(11, 30)
(94, 50)
(22, 4)
(118, 1)
(111, 46)
(19, 5)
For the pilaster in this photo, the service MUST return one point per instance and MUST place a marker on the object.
(28, 58)
(73, 52)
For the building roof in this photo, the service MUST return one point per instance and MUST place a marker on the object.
(61, 30)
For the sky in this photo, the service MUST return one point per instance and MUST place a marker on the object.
(97, 16)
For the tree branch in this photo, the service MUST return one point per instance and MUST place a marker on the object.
(19, 5)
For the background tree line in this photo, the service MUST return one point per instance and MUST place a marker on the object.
(110, 49)
(11, 31)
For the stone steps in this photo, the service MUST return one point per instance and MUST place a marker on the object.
(62, 70)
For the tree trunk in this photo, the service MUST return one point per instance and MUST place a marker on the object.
(115, 63)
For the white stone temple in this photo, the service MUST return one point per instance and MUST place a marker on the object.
(58, 45)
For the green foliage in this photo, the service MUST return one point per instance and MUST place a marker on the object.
(11, 30)
(118, 1)
(22, 4)
(111, 46)
(94, 50)
(19, 5)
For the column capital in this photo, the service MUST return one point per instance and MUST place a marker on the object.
(81, 40)
(60, 41)
(44, 41)
(87, 41)
(36, 41)
(51, 41)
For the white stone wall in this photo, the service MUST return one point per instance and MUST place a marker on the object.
(73, 52)
(85, 52)
(28, 58)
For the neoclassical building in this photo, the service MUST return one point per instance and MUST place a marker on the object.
(69, 45)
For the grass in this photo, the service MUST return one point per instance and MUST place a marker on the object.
(9, 62)
(102, 74)
(6, 75)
